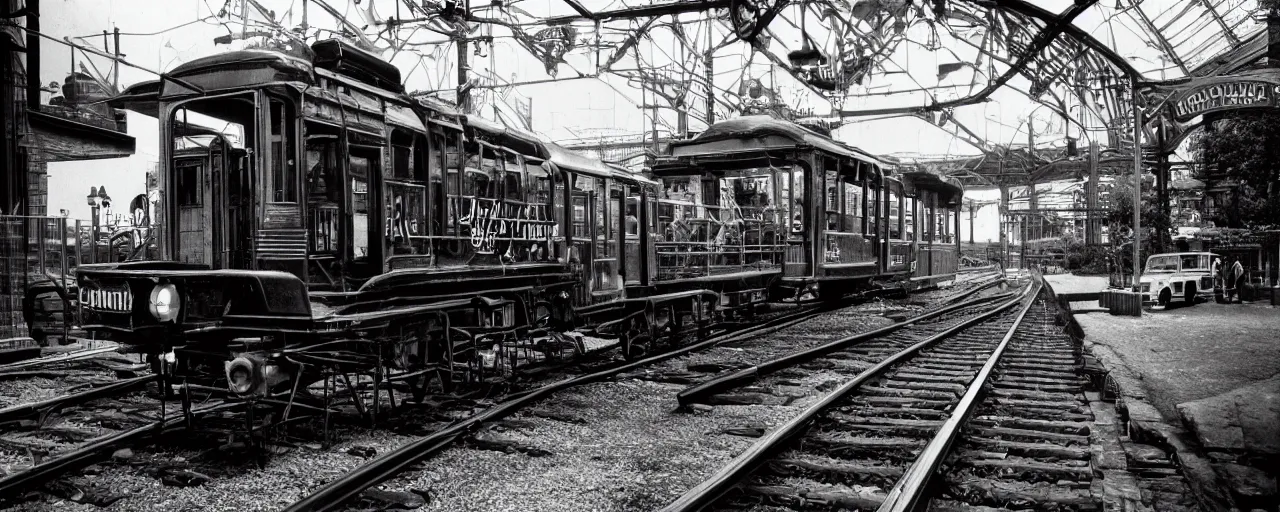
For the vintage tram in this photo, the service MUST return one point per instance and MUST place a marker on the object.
(315, 221)
(774, 205)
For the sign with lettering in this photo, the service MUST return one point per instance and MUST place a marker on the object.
(1226, 96)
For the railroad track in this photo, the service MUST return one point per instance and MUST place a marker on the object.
(333, 495)
(128, 432)
(861, 436)
(57, 449)
(989, 414)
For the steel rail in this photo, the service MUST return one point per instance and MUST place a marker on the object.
(18, 412)
(332, 495)
(84, 455)
(908, 494)
(982, 284)
(57, 358)
(699, 393)
(710, 490)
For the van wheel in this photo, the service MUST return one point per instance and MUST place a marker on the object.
(1165, 297)
(1191, 294)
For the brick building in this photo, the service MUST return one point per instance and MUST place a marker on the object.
(77, 126)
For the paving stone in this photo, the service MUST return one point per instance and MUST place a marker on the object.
(1105, 451)
(1250, 484)
(1145, 454)
(1120, 491)
(1246, 418)
(1213, 422)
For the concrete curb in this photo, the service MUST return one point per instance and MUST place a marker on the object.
(1142, 420)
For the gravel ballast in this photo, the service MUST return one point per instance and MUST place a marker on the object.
(618, 445)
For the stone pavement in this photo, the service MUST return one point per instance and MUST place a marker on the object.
(1240, 430)
(1204, 380)
(1067, 284)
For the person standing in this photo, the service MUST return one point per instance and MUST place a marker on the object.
(1237, 279)
(1219, 280)
(1228, 284)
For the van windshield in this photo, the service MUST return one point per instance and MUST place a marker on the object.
(1162, 264)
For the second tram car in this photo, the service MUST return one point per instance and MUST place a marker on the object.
(795, 211)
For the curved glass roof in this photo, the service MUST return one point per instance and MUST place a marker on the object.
(970, 80)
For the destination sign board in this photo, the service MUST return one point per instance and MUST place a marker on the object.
(1226, 96)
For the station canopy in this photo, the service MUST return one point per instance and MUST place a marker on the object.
(979, 89)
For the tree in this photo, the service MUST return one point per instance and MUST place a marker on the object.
(1246, 148)
(1155, 224)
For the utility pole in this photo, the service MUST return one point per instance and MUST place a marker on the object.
(973, 211)
(33, 58)
(1032, 203)
(1005, 220)
(653, 121)
(464, 92)
(1137, 188)
(711, 76)
(682, 120)
(115, 64)
(1094, 222)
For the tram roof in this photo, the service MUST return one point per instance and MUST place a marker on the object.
(945, 185)
(507, 136)
(570, 160)
(750, 127)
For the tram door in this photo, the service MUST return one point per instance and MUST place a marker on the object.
(214, 203)
(234, 190)
(194, 200)
(210, 183)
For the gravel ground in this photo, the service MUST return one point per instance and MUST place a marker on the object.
(1188, 353)
(633, 451)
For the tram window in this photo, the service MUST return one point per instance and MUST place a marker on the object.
(796, 196)
(444, 181)
(633, 211)
(833, 200)
(606, 215)
(583, 189)
(421, 159)
(359, 168)
(944, 224)
(875, 206)
(322, 169)
(909, 224)
(895, 215)
(926, 217)
(540, 193)
(401, 155)
(852, 206)
(511, 177)
(188, 185)
(283, 169)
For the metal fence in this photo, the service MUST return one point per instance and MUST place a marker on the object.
(38, 257)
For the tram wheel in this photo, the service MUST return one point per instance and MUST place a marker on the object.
(418, 388)
(635, 340)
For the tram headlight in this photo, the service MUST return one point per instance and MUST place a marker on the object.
(240, 375)
(165, 302)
